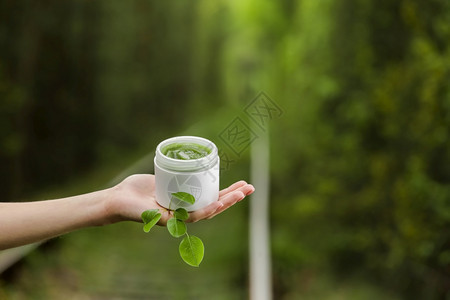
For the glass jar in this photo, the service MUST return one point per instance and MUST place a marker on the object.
(198, 177)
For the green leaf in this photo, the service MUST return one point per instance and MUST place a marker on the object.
(148, 215)
(150, 218)
(186, 197)
(176, 227)
(192, 250)
(181, 214)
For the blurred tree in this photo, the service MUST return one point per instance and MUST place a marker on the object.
(359, 157)
(85, 82)
(370, 135)
(51, 65)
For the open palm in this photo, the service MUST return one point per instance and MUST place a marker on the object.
(136, 194)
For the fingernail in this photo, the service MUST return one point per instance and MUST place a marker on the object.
(251, 190)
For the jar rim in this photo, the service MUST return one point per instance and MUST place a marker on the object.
(190, 165)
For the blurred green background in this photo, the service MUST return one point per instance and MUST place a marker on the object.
(360, 155)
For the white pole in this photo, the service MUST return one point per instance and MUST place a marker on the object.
(260, 261)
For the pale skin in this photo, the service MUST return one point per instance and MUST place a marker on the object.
(27, 222)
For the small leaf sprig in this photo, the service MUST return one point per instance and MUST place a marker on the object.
(191, 248)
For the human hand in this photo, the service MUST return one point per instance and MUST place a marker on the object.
(136, 194)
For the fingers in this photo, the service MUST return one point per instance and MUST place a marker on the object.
(232, 187)
(246, 189)
(227, 198)
(231, 198)
(204, 212)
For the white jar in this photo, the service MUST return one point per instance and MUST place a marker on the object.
(198, 177)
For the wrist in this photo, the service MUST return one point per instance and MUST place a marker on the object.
(109, 211)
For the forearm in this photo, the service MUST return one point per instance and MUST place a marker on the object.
(23, 223)
(28, 222)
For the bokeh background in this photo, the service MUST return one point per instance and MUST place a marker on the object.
(360, 155)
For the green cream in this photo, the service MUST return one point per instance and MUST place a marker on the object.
(185, 151)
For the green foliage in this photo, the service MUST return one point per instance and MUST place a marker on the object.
(192, 250)
(367, 124)
(185, 197)
(150, 218)
(181, 214)
(359, 157)
(191, 247)
(176, 227)
(360, 154)
(82, 83)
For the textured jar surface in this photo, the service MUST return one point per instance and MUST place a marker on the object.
(198, 177)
